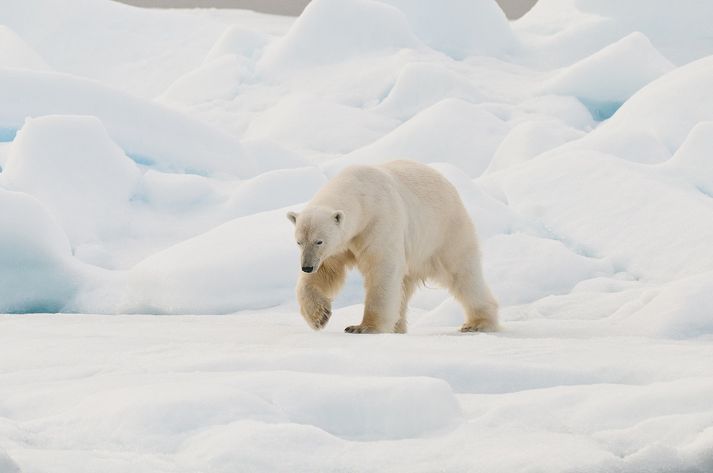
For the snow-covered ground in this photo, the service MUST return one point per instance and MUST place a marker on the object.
(149, 157)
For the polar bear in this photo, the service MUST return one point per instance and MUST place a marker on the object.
(399, 223)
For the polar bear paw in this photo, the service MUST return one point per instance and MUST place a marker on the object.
(317, 314)
(482, 325)
(360, 329)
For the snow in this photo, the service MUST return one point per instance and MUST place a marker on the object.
(690, 158)
(420, 85)
(150, 133)
(353, 27)
(37, 271)
(642, 129)
(332, 128)
(560, 32)
(588, 78)
(71, 165)
(257, 392)
(529, 139)
(465, 135)
(459, 28)
(16, 53)
(147, 270)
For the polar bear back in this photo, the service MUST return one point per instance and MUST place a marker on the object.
(402, 201)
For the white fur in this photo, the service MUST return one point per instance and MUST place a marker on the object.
(399, 223)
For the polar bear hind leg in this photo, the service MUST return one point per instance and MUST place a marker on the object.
(467, 285)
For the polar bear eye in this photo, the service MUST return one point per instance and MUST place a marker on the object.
(318, 242)
(299, 243)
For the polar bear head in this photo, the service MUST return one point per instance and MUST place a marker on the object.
(319, 232)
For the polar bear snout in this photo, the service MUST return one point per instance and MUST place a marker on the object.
(310, 260)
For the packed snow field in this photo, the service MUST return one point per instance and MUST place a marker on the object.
(148, 159)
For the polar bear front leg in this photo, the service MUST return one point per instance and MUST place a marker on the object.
(383, 299)
(315, 307)
(316, 290)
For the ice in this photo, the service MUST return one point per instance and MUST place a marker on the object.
(589, 81)
(651, 125)
(149, 133)
(70, 164)
(147, 271)
(37, 271)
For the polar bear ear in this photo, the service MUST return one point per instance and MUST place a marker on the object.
(338, 217)
(292, 217)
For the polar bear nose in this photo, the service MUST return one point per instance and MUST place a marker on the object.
(307, 269)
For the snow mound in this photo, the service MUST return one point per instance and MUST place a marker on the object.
(514, 261)
(177, 192)
(612, 75)
(566, 109)
(656, 120)
(682, 309)
(459, 28)
(564, 31)
(218, 79)
(80, 37)
(302, 448)
(269, 155)
(7, 465)
(681, 29)
(331, 128)
(530, 138)
(452, 130)
(420, 85)
(155, 417)
(491, 217)
(247, 262)
(371, 409)
(238, 41)
(16, 53)
(694, 159)
(330, 31)
(36, 270)
(616, 208)
(260, 193)
(147, 132)
(70, 164)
